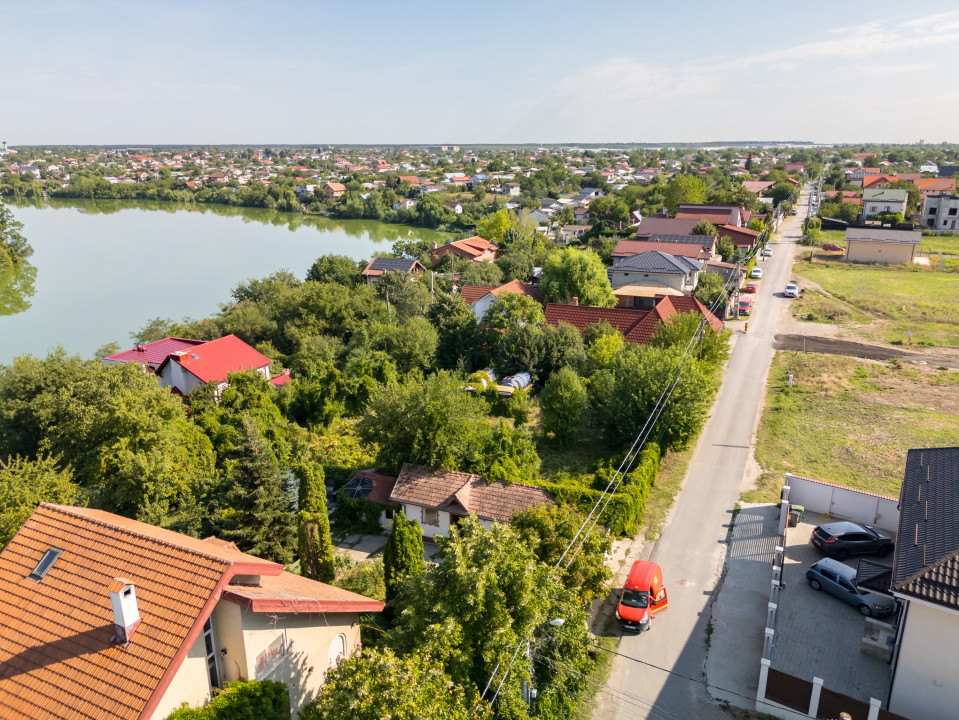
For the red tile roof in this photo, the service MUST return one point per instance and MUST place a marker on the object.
(382, 486)
(470, 248)
(473, 293)
(739, 235)
(57, 659)
(464, 493)
(154, 353)
(213, 361)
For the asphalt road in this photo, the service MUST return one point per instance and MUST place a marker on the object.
(692, 547)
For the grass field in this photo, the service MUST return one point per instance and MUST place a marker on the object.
(888, 301)
(850, 421)
(945, 244)
(834, 236)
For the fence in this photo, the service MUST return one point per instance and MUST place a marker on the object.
(844, 503)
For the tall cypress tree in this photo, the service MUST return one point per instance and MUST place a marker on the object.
(315, 544)
(262, 522)
(402, 556)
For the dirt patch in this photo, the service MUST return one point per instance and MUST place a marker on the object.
(834, 346)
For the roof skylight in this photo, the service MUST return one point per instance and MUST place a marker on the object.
(46, 562)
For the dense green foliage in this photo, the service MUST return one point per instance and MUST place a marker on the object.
(565, 405)
(242, 700)
(14, 248)
(570, 273)
(315, 547)
(402, 555)
(24, 484)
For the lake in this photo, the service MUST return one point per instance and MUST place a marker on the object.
(102, 269)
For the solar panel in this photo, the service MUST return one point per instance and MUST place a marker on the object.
(359, 487)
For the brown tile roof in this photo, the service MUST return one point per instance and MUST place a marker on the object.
(716, 218)
(739, 235)
(926, 563)
(473, 293)
(382, 486)
(56, 655)
(664, 226)
(628, 248)
(461, 493)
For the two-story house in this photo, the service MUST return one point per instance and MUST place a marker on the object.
(940, 212)
(883, 200)
(638, 279)
(107, 617)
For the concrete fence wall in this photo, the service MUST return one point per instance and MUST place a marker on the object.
(843, 503)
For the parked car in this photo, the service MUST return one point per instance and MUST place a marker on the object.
(643, 596)
(793, 211)
(512, 383)
(842, 539)
(756, 274)
(791, 291)
(832, 247)
(767, 252)
(745, 306)
(750, 287)
(840, 580)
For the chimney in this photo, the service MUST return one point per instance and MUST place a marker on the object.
(575, 301)
(435, 245)
(126, 615)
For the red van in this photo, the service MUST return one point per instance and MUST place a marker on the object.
(643, 596)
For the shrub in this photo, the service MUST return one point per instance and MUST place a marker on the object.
(244, 700)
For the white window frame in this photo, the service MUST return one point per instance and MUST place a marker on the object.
(427, 522)
(269, 665)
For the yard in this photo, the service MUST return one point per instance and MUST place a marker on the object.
(945, 244)
(883, 302)
(850, 421)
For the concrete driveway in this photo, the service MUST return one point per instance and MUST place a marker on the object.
(692, 548)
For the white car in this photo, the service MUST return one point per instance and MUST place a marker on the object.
(767, 252)
(791, 291)
(756, 274)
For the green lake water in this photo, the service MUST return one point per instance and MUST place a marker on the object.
(102, 269)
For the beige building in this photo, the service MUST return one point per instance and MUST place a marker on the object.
(872, 245)
(145, 619)
(925, 579)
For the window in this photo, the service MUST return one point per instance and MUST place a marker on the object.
(431, 516)
(389, 513)
(210, 647)
(952, 211)
(337, 650)
(268, 658)
(46, 562)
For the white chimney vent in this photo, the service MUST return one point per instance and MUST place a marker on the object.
(126, 615)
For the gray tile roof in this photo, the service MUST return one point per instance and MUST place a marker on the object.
(926, 564)
(657, 262)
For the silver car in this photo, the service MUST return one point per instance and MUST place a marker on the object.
(791, 291)
(840, 580)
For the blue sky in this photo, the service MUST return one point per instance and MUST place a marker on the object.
(497, 72)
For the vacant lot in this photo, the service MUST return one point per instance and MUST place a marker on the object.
(851, 421)
(883, 303)
(945, 244)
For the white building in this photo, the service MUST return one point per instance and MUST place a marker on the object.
(940, 212)
(883, 200)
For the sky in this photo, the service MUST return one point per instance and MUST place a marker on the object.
(318, 72)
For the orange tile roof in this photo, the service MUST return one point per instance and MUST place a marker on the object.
(57, 659)
(473, 293)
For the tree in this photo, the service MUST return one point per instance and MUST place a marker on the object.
(460, 338)
(14, 248)
(258, 514)
(711, 291)
(487, 596)
(512, 310)
(379, 684)
(781, 191)
(684, 189)
(570, 273)
(510, 454)
(493, 227)
(450, 428)
(608, 212)
(336, 269)
(757, 225)
(242, 700)
(24, 484)
(315, 545)
(402, 556)
(726, 249)
(482, 273)
(562, 346)
(704, 227)
(679, 330)
(565, 405)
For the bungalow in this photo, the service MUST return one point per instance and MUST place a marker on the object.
(438, 499)
(637, 325)
(108, 617)
(925, 579)
(568, 232)
(377, 266)
(211, 362)
(929, 167)
(928, 186)
(454, 206)
(479, 297)
(334, 190)
(875, 202)
(151, 355)
(475, 249)
(639, 279)
(581, 216)
(872, 245)
(404, 204)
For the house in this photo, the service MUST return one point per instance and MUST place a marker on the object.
(107, 617)
(940, 212)
(377, 266)
(334, 190)
(635, 217)
(454, 206)
(757, 187)
(637, 325)
(638, 279)
(879, 201)
(29, 170)
(716, 214)
(929, 167)
(375, 487)
(404, 204)
(479, 297)
(568, 232)
(211, 362)
(925, 579)
(438, 499)
(872, 245)
(741, 237)
(510, 189)
(694, 247)
(928, 186)
(474, 249)
(542, 217)
(302, 191)
(877, 182)
(151, 355)
(650, 226)
(581, 216)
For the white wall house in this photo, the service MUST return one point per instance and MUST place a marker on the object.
(883, 200)
(186, 370)
(656, 268)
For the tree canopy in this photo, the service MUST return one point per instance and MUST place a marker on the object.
(570, 273)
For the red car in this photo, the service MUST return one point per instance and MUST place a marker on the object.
(750, 287)
(832, 247)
